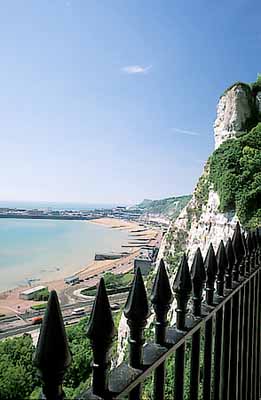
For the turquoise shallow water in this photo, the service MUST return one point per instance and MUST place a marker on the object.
(38, 248)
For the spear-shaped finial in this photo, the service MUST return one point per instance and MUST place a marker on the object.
(52, 356)
(238, 251)
(258, 240)
(101, 331)
(136, 311)
(182, 287)
(161, 299)
(222, 265)
(211, 272)
(198, 277)
(231, 261)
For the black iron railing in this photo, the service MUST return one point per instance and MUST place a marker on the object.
(221, 320)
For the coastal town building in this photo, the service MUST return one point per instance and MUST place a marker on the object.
(72, 280)
(29, 293)
(144, 264)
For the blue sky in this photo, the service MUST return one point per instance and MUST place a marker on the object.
(114, 101)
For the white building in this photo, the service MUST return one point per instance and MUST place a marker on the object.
(29, 293)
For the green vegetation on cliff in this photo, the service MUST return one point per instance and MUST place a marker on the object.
(235, 171)
(170, 206)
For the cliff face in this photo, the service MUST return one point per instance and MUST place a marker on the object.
(233, 111)
(201, 221)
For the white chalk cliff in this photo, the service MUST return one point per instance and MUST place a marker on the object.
(233, 110)
(201, 222)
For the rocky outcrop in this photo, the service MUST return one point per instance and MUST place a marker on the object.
(258, 102)
(209, 227)
(234, 109)
(200, 222)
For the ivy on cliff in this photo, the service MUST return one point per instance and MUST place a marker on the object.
(235, 171)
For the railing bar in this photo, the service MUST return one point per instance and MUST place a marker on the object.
(258, 333)
(135, 393)
(161, 299)
(159, 382)
(255, 366)
(241, 338)
(259, 338)
(226, 352)
(218, 347)
(254, 339)
(246, 343)
(250, 333)
(179, 373)
(194, 366)
(207, 360)
(233, 368)
(254, 342)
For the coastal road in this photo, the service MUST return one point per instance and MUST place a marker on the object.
(11, 326)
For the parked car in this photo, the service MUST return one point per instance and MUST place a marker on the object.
(37, 320)
(115, 306)
(78, 311)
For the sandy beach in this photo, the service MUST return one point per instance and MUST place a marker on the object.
(10, 302)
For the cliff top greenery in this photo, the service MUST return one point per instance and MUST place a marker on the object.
(252, 88)
(235, 172)
(170, 206)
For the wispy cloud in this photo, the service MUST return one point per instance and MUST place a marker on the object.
(186, 132)
(136, 69)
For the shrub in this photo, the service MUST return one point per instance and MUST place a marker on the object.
(235, 171)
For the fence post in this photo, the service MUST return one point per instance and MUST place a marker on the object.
(222, 265)
(161, 299)
(239, 253)
(198, 277)
(231, 260)
(136, 311)
(249, 247)
(101, 331)
(52, 356)
(182, 288)
(211, 271)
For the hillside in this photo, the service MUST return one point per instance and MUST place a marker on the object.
(230, 186)
(169, 207)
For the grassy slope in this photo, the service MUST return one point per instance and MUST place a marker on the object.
(170, 207)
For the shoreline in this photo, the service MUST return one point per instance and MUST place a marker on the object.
(10, 302)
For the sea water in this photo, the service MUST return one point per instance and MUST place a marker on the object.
(49, 249)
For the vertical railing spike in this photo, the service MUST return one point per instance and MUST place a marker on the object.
(258, 239)
(238, 251)
(161, 299)
(244, 244)
(101, 331)
(136, 311)
(249, 246)
(222, 264)
(255, 245)
(198, 277)
(231, 261)
(182, 287)
(252, 260)
(52, 356)
(211, 272)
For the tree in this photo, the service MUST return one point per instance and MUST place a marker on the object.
(18, 376)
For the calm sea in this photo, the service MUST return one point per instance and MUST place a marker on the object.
(45, 249)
